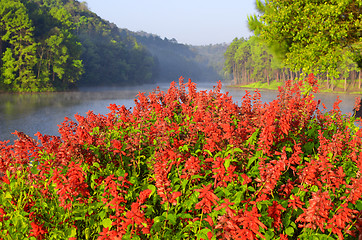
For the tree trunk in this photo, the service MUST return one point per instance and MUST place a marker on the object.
(248, 76)
(284, 75)
(327, 81)
(244, 74)
(234, 75)
(1, 51)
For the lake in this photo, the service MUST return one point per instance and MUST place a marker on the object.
(42, 112)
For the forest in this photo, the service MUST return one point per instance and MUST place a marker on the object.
(288, 44)
(51, 45)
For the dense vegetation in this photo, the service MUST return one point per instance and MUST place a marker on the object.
(189, 165)
(298, 38)
(47, 45)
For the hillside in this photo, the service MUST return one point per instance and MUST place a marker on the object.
(48, 45)
(58, 45)
(201, 63)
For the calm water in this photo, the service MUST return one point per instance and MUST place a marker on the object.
(30, 113)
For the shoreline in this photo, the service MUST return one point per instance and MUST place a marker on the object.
(274, 87)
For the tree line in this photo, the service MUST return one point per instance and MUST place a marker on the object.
(48, 45)
(292, 40)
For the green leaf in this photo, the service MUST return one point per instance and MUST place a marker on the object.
(238, 197)
(252, 139)
(250, 188)
(95, 164)
(185, 215)
(251, 161)
(208, 152)
(172, 218)
(152, 188)
(359, 205)
(288, 149)
(227, 163)
(87, 233)
(8, 195)
(203, 233)
(289, 231)
(314, 188)
(287, 217)
(107, 223)
(254, 158)
(269, 235)
(184, 183)
(72, 232)
(196, 177)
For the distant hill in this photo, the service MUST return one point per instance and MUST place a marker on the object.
(212, 56)
(109, 58)
(200, 63)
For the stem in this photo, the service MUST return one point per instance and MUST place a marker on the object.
(198, 231)
(164, 226)
(354, 222)
(260, 189)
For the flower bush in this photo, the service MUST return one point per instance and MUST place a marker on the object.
(184, 164)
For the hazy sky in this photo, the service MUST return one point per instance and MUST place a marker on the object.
(196, 22)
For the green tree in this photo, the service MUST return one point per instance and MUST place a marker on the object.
(233, 58)
(38, 49)
(311, 34)
(17, 33)
(46, 45)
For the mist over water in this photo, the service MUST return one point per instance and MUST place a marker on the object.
(43, 112)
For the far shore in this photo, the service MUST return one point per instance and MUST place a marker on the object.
(273, 85)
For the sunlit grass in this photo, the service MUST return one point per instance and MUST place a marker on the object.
(273, 85)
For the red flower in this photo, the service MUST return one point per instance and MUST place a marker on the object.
(37, 231)
(274, 211)
(359, 228)
(316, 215)
(283, 237)
(312, 79)
(5, 179)
(208, 199)
(175, 195)
(340, 219)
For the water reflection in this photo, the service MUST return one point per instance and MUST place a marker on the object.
(42, 112)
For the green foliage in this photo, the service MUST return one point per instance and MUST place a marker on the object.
(249, 60)
(48, 45)
(111, 56)
(312, 36)
(18, 35)
(252, 60)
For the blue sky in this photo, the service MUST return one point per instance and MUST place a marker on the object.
(196, 22)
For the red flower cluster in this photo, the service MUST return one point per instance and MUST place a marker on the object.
(185, 164)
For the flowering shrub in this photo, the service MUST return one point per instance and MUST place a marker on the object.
(189, 165)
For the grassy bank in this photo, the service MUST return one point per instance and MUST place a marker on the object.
(273, 85)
